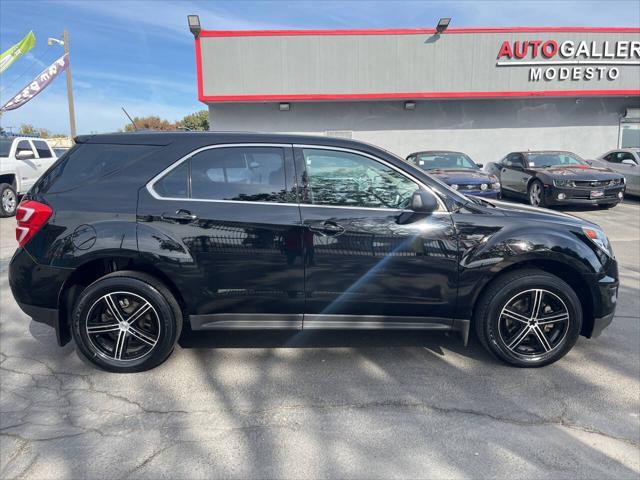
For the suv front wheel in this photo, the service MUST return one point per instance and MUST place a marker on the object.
(528, 318)
(126, 322)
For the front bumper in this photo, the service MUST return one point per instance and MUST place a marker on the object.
(604, 294)
(600, 323)
(484, 193)
(582, 196)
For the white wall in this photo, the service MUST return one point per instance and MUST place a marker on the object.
(485, 129)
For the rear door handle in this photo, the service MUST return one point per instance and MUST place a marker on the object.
(327, 229)
(181, 215)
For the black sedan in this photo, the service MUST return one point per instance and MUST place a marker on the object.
(547, 178)
(458, 171)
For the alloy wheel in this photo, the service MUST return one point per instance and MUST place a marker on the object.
(533, 323)
(535, 194)
(123, 326)
(8, 201)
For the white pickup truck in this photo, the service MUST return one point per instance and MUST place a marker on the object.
(22, 161)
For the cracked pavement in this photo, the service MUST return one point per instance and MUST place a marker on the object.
(341, 405)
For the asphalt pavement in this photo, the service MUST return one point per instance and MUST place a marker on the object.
(339, 405)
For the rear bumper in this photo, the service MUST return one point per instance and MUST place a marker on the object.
(48, 316)
(36, 289)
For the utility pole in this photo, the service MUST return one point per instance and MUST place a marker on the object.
(72, 113)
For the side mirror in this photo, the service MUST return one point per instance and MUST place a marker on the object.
(480, 165)
(24, 155)
(424, 202)
(629, 162)
(590, 162)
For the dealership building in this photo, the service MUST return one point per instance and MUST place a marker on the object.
(484, 91)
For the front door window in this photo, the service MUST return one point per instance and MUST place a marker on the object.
(336, 178)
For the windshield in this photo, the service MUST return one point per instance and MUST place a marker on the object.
(442, 160)
(552, 159)
(5, 146)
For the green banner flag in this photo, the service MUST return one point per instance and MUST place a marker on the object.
(13, 53)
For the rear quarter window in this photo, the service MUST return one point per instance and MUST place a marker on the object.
(90, 162)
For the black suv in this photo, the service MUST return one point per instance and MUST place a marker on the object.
(129, 236)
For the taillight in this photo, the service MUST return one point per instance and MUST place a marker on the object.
(31, 216)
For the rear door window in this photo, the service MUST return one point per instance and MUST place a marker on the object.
(248, 174)
(42, 148)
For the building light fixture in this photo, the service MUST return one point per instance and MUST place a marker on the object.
(194, 25)
(409, 105)
(443, 24)
(284, 107)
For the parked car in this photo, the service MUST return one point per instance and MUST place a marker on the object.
(129, 236)
(22, 161)
(458, 171)
(548, 178)
(625, 161)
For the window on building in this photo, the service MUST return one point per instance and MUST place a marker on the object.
(338, 178)
(629, 135)
(630, 129)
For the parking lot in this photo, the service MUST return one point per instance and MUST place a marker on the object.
(342, 405)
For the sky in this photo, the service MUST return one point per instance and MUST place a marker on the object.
(140, 54)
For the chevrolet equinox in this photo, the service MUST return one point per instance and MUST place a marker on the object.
(128, 238)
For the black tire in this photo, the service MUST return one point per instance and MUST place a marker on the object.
(156, 335)
(536, 184)
(492, 323)
(8, 200)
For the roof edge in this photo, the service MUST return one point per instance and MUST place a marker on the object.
(413, 31)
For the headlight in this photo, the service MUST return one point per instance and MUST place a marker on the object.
(564, 183)
(598, 237)
(483, 186)
(616, 181)
(495, 185)
(454, 186)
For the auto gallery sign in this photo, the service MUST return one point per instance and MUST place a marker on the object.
(550, 60)
(385, 64)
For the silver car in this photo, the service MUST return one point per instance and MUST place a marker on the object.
(627, 162)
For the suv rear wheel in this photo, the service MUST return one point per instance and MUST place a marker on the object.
(528, 318)
(8, 200)
(126, 322)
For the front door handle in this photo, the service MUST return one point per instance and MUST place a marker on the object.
(181, 215)
(327, 229)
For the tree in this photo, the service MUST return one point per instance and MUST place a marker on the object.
(27, 129)
(197, 121)
(152, 122)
